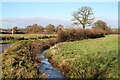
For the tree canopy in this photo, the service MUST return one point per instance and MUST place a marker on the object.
(34, 28)
(83, 16)
(101, 25)
(59, 28)
(50, 28)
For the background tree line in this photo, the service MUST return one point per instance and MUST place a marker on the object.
(39, 29)
(33, 29)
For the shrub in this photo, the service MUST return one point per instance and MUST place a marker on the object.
(96, 33)
(50, 42)
(71, 35)
(68, 35)
(38, 46)
(79, 34)
(114, 31)
(62, 36)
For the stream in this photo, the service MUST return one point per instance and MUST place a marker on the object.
(44, 66)
(4, 46)
(47, 68)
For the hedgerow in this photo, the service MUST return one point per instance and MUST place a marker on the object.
(79, 34)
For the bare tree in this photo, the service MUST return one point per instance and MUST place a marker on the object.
(83, 16)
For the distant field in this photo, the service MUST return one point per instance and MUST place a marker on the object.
(13, 41)
(27, 35)
(23, 35)
(92, 58)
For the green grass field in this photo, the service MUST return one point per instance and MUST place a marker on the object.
(23, 35)
(92, 58)
(27, 35)
(13, 41)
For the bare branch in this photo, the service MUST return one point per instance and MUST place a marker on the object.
(83, 16)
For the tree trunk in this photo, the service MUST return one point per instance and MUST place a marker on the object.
(83, 26)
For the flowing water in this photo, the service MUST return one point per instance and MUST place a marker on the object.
(4, 46)
(47, 68)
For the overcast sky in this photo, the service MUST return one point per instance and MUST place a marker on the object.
(22, 14)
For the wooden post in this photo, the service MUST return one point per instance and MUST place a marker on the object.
(12, 29)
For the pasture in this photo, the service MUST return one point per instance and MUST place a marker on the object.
(9, 38)
(27, 35)
(90, 58)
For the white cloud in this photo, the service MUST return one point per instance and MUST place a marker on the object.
(24, 21)
(66, 22)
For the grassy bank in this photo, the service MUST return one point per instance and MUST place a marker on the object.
(8, 41)
(92, 58)
(19, 62)
(20, 59)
